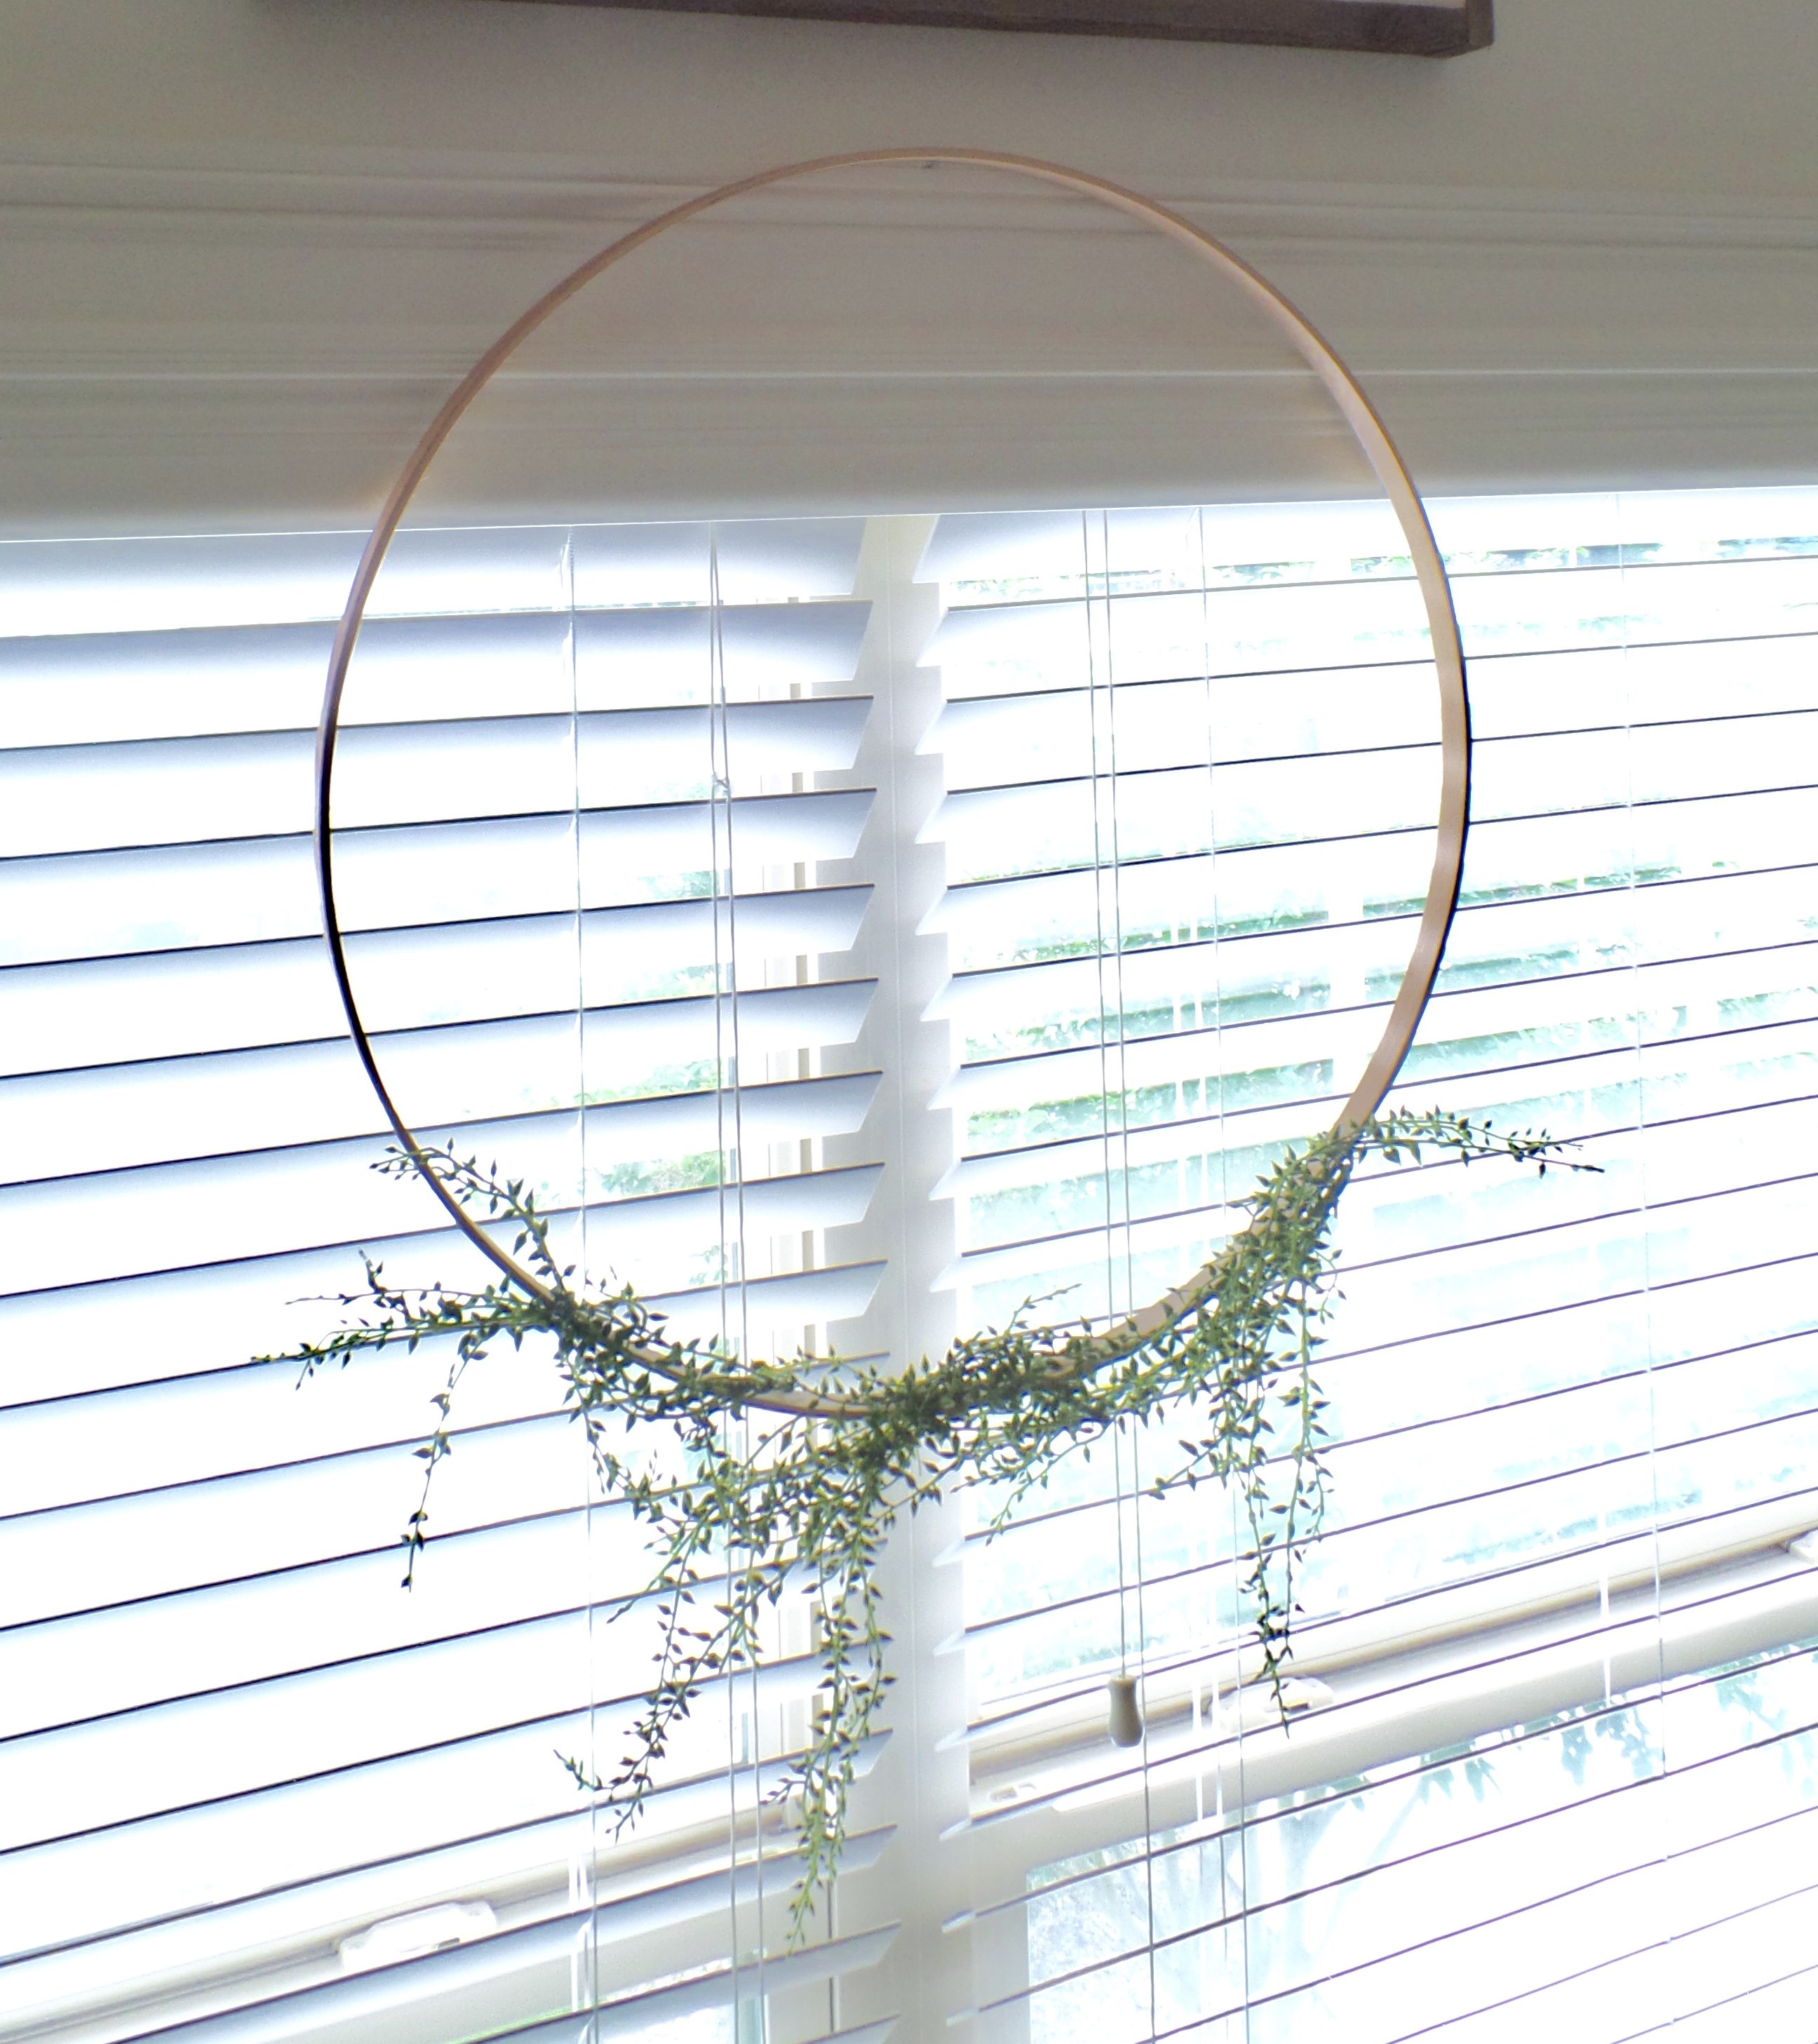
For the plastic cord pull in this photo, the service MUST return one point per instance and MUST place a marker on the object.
(1124, 1717)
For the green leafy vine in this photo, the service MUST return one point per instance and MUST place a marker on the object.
(791, 1475)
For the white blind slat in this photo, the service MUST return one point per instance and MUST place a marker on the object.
(56, 587)
(122, 1224)
(164, 1004)
(247, 890)
(80, 798)
(160, 1111)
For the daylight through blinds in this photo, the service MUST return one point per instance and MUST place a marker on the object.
(1552, 1685)
(594, 783)
(854, 928)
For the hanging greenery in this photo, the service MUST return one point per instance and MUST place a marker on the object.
(790, 1475)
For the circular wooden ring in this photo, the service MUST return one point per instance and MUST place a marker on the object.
(1448, 656)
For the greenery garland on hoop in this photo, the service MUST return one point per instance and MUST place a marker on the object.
(834, 1454)
(792, 1475)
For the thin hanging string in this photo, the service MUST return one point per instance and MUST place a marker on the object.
(1118, 935)
(1239, 1803)
(734, 1303)
(1221, 1808)
(1185, 1176)
(1229, 1818)
(1190, 937)
(1104, 861)
(1211, 860)
(1221, 1194)
(1643, 1212)
(589, 1958)
(718, 862)
(1113, 1121)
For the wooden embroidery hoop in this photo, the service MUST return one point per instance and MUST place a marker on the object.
(1441, 894)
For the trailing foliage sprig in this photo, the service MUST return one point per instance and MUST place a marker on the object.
(792, 1475)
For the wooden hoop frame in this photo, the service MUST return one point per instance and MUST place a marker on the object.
(1441, 902)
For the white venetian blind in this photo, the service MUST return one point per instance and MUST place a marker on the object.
(1555, 1759)
(1555, 1678)
(248, 1789)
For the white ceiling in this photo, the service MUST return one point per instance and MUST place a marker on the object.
(250, 244)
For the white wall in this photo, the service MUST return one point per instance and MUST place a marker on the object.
(248, 243)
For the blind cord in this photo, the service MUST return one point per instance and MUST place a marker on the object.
(1643, 1212)
(728, 1077)
(586, 1988)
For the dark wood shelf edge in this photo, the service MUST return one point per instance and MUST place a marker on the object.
(1383, 28)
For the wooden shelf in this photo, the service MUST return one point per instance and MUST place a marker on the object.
(1399, 27)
